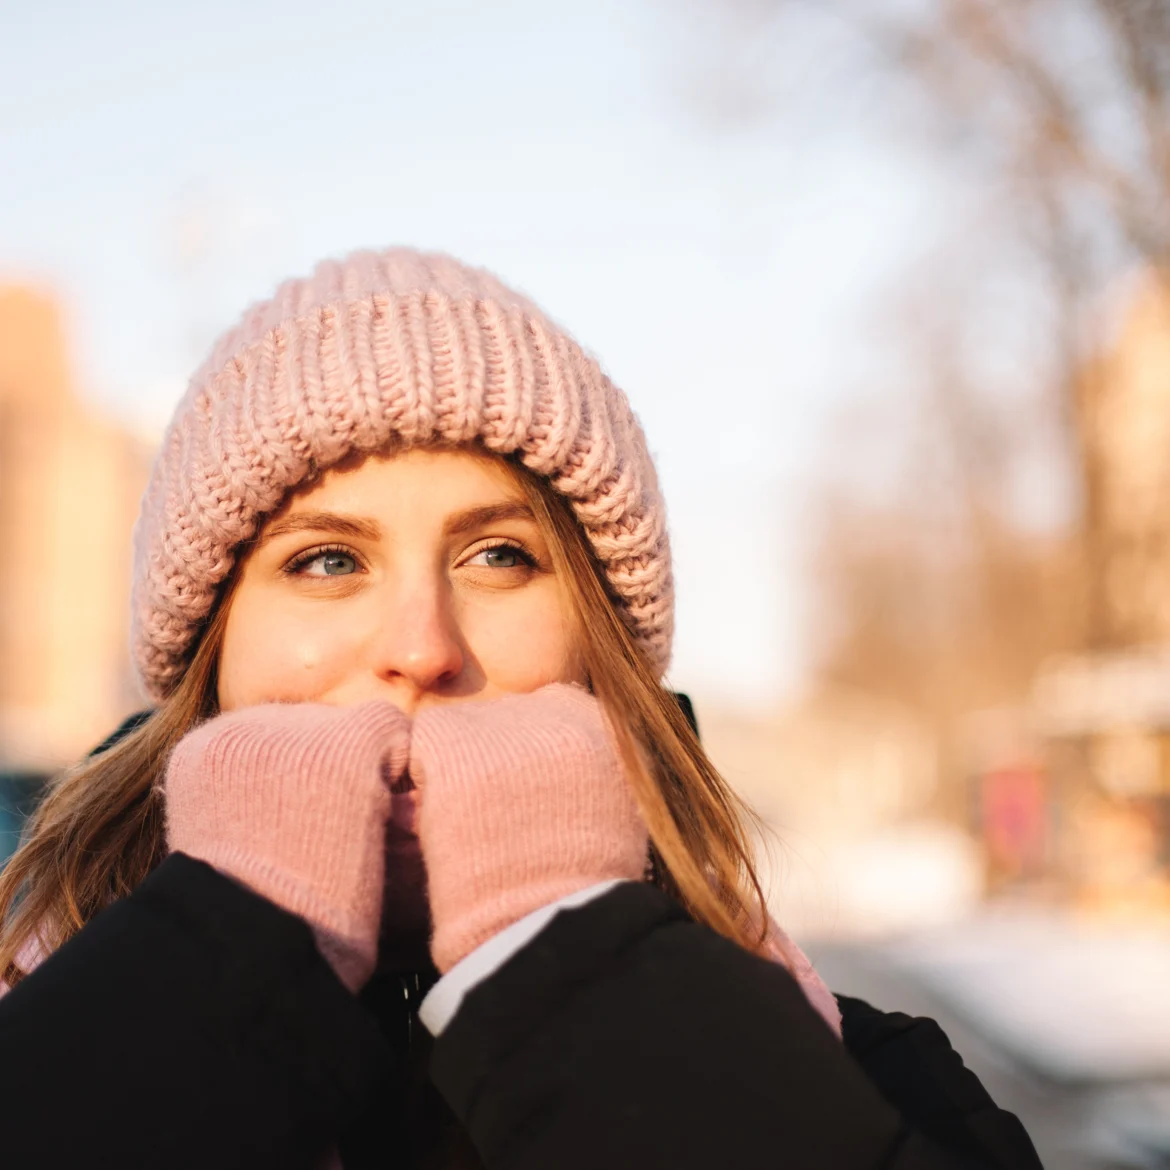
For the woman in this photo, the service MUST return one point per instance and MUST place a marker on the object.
(403, 601)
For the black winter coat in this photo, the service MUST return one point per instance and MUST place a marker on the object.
(194, 1025)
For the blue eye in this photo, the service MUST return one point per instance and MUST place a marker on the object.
(336, 564)
(502, 556)
(331, 562)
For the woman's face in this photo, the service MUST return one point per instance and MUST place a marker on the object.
(419, 578)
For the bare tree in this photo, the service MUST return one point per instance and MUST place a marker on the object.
(1067, 100)
(1066, 111)
(1057, 112)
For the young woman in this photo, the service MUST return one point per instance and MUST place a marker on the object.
(403, 603)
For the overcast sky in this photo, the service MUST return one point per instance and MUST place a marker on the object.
(162, 165)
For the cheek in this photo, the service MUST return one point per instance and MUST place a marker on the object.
(271, 655)
(523, 646)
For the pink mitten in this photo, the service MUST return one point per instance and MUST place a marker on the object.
(292, 800)
(522, 801)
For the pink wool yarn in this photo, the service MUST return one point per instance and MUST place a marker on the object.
(377, 350)
(523, 800)
(293, 800)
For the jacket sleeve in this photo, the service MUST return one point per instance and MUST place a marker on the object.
(625, 1035)
(192, 1024)
(911, 1061)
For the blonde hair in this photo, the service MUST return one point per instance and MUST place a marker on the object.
(100, 830)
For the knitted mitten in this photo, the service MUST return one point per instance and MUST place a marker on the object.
(522, 801)
(292, 800)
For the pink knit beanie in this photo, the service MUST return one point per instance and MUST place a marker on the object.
(376, 350)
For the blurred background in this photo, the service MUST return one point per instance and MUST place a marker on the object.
(888, 282)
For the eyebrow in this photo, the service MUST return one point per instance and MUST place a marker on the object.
(463, 522)
(355, 527)
(362, 528)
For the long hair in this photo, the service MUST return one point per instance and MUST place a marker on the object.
(100, 830)
(699, 846)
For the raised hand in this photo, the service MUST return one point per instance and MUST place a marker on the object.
(523, 800)
(292, 800)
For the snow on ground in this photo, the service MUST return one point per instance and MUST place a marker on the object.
(1076, 1000)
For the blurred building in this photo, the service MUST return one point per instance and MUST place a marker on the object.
(69, 488)
(1126, 422)
(853, 840)
(1104, 715)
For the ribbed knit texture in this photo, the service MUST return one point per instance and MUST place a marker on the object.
(292, 800)
(522, 801)
(378, 350)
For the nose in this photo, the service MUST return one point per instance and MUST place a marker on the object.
(419, 647)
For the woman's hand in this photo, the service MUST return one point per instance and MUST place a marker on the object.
(293, 800)
(523, 800)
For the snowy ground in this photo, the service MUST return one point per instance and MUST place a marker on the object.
(1067, 1022)
(1076, 999)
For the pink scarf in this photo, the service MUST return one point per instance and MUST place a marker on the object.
(783, 950)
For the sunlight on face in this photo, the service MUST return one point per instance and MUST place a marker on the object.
(418, 578)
